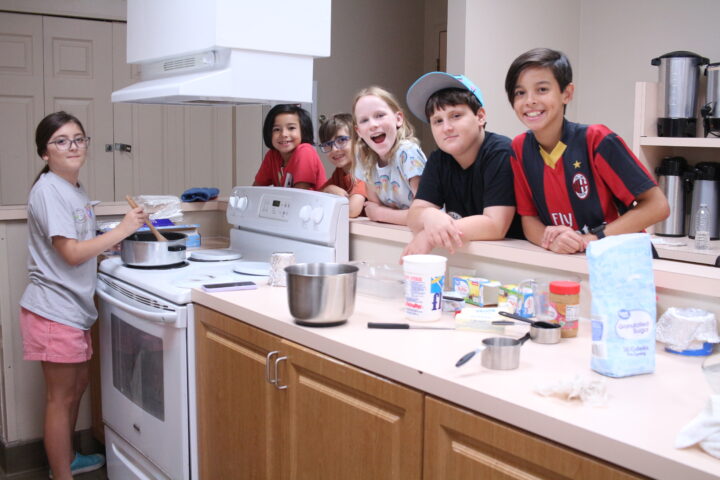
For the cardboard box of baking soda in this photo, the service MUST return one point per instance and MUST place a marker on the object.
(471, 288)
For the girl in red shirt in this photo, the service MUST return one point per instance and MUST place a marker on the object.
(335, 142)
(291, 161)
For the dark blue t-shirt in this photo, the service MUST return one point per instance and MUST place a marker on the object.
(488, 182)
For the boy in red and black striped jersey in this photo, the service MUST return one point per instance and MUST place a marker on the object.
(573, 183)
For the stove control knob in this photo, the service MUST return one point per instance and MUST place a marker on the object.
(317, 214)
(242, 203)
(305, 212)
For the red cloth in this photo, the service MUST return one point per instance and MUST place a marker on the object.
(345, 181)
(304, 166)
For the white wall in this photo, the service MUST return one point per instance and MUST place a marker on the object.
(610, 45)
(495, 33)
(616, 49)
(373, 42)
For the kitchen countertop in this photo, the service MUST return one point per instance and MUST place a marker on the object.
(636, 429)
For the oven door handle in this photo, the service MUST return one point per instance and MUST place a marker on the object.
(142, 314)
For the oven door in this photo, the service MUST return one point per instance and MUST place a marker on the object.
(144, 373)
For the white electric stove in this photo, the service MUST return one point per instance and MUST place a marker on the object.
(146, 323)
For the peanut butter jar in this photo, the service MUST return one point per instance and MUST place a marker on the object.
(565, 299)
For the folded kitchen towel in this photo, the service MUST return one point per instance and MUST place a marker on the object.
(199, 194)
(703, 429)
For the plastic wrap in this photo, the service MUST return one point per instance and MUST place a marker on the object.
(161, 207)
(591, 391)
(687, 328)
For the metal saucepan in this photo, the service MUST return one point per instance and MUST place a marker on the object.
(141, 249)
(498, 353)
(540, 331)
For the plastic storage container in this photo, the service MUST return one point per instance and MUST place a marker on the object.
(380, 280)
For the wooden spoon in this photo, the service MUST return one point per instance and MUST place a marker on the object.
(158, 236)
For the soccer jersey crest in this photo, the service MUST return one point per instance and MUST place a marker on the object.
(580, 186)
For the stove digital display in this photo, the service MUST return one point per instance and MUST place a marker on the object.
(277, 208)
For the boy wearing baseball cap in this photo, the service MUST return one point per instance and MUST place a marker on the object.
(469, 175)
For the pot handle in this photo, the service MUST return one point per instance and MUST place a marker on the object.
(176, 248)
(466, 358)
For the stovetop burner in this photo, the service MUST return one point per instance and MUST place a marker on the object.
(182, 264)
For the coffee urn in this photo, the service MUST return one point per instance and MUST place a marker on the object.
(706, 189)
(711, 110)
(673, 180)
(678, 76)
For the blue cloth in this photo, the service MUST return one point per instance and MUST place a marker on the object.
(199, 194)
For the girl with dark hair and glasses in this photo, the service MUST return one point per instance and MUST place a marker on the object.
(336, 143)
(291, 161)
(57, 308)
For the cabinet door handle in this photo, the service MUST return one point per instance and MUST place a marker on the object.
(277, 378)
(120, 147)
(268, 359)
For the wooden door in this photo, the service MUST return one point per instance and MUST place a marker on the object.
(463, 444)
(346, 423)
(21, 104)
(239, 412)
(78, 79)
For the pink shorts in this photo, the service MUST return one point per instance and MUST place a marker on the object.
(50, 341)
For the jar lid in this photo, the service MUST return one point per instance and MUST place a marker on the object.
(562, 287)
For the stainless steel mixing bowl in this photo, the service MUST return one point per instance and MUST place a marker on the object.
(321, 294)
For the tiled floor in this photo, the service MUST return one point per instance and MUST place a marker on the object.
(43, 475)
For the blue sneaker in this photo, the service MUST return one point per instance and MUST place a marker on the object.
(85, 463)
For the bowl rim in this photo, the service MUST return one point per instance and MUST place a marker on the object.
(290, 269)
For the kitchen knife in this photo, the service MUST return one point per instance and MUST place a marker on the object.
(404, 326)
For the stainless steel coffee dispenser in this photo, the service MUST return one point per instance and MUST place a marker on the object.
(673, 180)
(706, 189)
(711, 110)
(678, 76)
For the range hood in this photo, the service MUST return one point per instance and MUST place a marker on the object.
(208, 52)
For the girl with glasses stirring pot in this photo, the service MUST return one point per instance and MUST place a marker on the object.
(57, 308)
(335, 142)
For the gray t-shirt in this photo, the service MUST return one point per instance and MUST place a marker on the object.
(57, 290)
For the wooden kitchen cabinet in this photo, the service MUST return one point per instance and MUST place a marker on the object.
(462, 444)
(49, 64)
(323, 420)
(55, 63)
(240, 414)
(344, 422)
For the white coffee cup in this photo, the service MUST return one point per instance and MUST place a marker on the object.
(424, 279)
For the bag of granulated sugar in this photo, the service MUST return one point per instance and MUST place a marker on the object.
(623, 305)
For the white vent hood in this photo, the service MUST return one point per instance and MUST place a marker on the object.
(224, 51)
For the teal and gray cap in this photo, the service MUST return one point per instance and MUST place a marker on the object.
(423, 88)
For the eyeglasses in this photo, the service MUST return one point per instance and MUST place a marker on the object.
(64, 144)
(339, 143)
